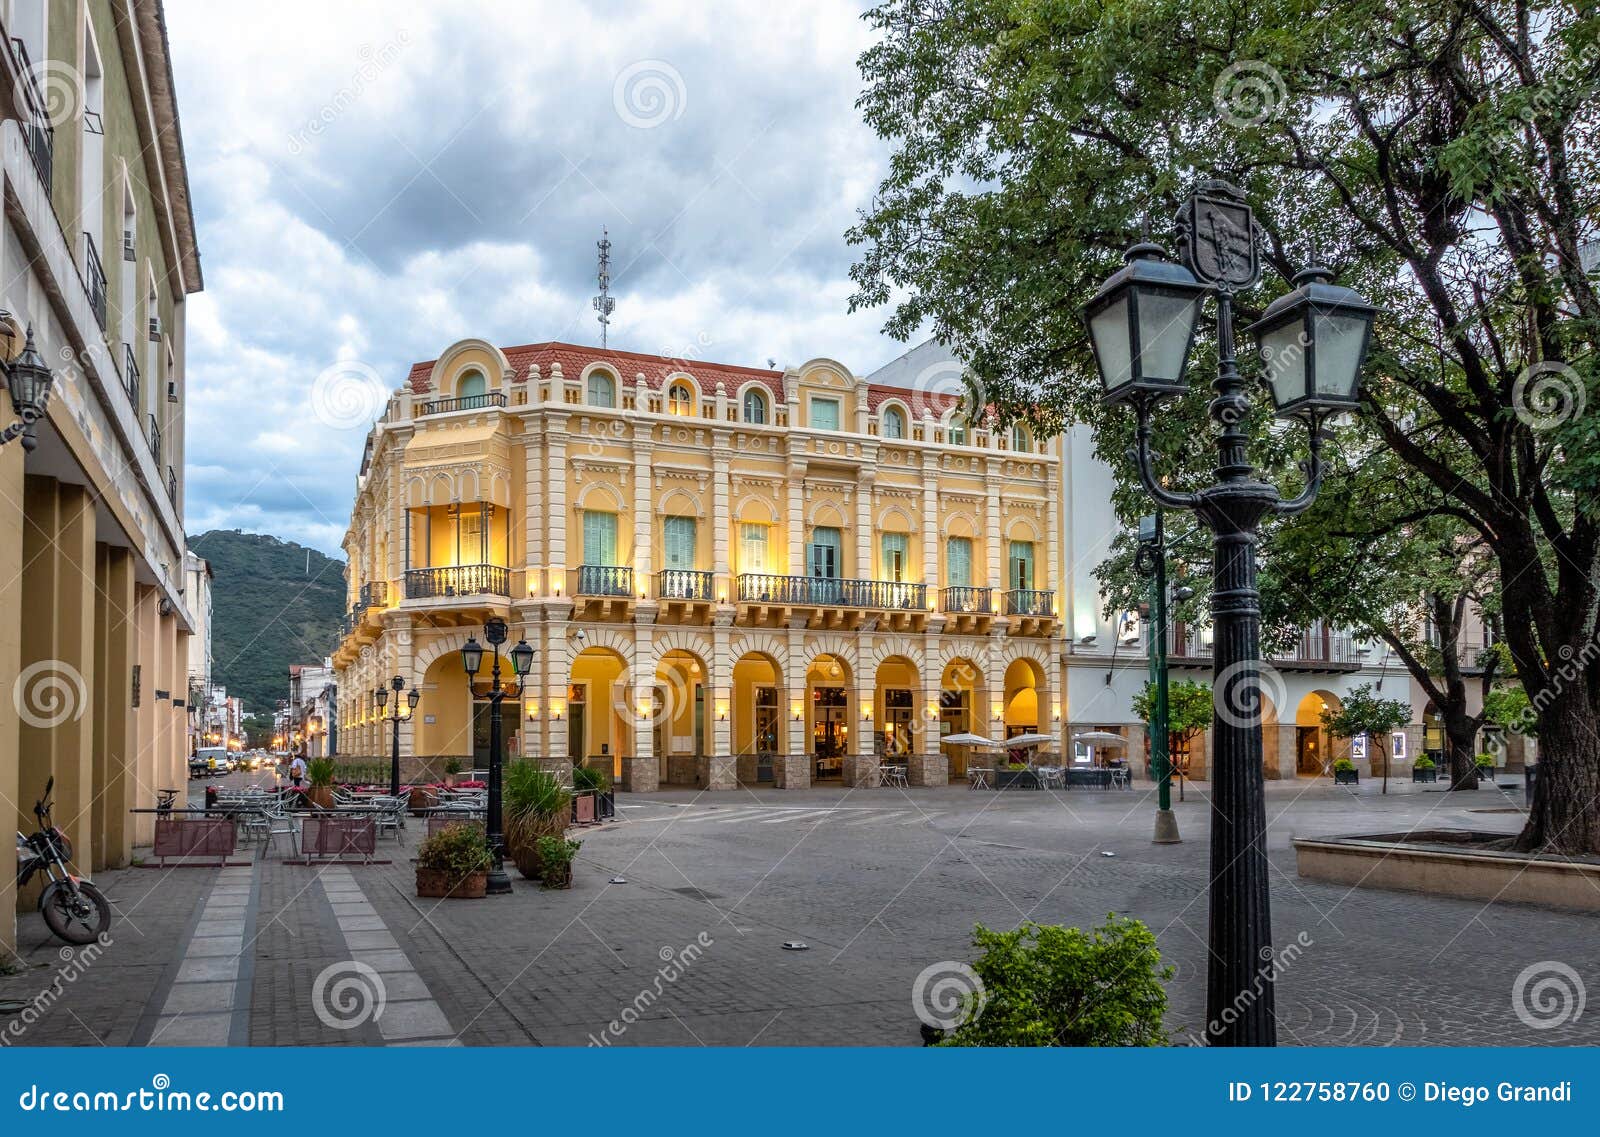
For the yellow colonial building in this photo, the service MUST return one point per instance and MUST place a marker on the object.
(730, 575)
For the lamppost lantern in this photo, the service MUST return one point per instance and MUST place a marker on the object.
(1141, 325)
(29, 381)
(413, 697)
(521, 658)
(381, 697)
(495, 630)
(1313, 341)
(398, 683)
(471, 656)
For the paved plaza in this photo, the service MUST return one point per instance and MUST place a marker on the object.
(878, 884)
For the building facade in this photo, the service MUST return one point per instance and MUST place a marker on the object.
(97, 258)
(308, 719)
(197, 597)
(727, 574)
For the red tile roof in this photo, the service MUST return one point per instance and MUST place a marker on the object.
(655, 368)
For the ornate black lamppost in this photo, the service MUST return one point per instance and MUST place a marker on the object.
(521, 656)
(29, 380)
(396, 717)
(1312, 342)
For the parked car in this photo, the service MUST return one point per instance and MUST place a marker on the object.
(198, 767)
(216, 758)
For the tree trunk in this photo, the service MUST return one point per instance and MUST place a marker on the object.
(1565, 816)
(1460, 750)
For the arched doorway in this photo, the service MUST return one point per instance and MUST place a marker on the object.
(678, 717)
(1313, 756)
(828, 682)
(445, 716)
(598, 715)
(895, 708)
(757, 715)
(1024, 678)
(960, 697)
(1269, 737)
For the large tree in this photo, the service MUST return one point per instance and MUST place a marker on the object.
(1441, 155)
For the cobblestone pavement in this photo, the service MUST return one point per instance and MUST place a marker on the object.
(879, 884)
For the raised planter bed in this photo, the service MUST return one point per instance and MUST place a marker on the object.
(1015, 780)
(440, 884)
(1347, 777)
(1451, 862)
(1431, 775)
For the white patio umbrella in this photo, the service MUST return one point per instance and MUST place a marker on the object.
(1021, 740)
(967, 740)
(1100, 738)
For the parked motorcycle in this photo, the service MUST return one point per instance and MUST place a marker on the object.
(75, 910)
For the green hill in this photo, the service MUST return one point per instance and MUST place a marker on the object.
(273, 603)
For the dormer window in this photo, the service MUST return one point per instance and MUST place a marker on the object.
(958, 431)
(755, 406)
(602, 390)
(471, 385)
(680, 401)
(894, 422)
(1021, 437)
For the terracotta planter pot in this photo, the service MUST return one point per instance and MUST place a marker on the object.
(422, 798)
(443, 884)
(320, 796)
(522, 845)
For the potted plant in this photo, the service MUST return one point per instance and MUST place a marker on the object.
(1424, 770)
(1345, 773)
(588, 784)
(454, 863)
(536, 805)
(1485, 764)
(555, 861)
(452, 771)
(319, 773)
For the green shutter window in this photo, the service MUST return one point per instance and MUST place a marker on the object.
(471, 385)
(602, 391)
(826, 546)
(1021, 559)
(894, 423)
(824, 414)
(599, 538)
(677, 539)
(958, 563)
(753, 548)
(896, 556)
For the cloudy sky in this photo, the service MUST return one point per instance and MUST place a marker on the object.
(373, 181)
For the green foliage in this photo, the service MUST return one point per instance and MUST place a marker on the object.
(1046, 985)
(1484, 761)
(530, 792)
(456, 849)
(452, 766)
(589, 778)
(1189, 708)
(1343, 766)
(555, 860)
(268, 610)
(1423, 763)
(320, 772)
(1365, 712)
(1510, 708)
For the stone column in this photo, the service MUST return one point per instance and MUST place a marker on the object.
(115, 741)
(722, 515)
(556, 506)
(791, 770)
(994, 540)
(11, 600)
(796, 521)
(535, 517)
(643, 511)
(931, 574)
(866, 479)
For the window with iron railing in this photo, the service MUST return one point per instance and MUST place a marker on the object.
(94, 280)
(130, 376)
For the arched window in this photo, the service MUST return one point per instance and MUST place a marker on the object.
(894, 422)
(958, 430)
(602, 390)
(755, 406)
(1021, 437)
(471, 385)
(679, 400)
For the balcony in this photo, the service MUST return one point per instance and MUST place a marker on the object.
(467, 403)
(94, 281)
(683, 584)
(965, 601)
(130, 375)
(155, 438)
(604, 580)
(1315, 651)
(1036, 602)
(36, 128)
(457, 580)
(834, 592)
(172, 485)
(373, 594)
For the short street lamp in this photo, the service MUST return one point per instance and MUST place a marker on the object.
(1313, 342)
(496, 633)
(28, 379)
(396, 717)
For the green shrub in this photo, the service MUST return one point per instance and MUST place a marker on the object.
(1344, 766)
(1484, 761)
(1423, 763)
(555, 860)
(589, 778)
(456, 849)
(1045, 985)
(320, 771)
(452, 766)
(529, 792)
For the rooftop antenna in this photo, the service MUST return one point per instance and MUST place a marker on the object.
(604, 304)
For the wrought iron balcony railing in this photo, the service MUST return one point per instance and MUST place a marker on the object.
(830, 591)
(964, 599)
(1030, 602)
(375, 593)
(683, 584)
(466, 403)
(94, 280)
(130, 376)
(36, 129)
(605, 580)
(155, 437)
(172, 485)
(457, 580)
